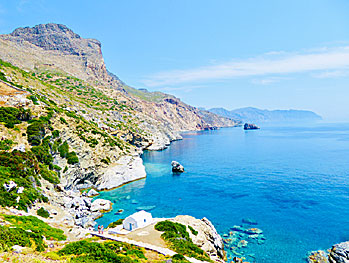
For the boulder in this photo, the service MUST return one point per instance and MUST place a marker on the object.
(250, 126)
(92, 193)
(17, 249)
(100, 205)
(177, 167)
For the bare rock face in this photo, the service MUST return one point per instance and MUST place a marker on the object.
(207, 237)
(127, 169)
(339, 253)
(54, 40)
(319, 256)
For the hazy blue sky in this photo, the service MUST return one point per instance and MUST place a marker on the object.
(212, 53)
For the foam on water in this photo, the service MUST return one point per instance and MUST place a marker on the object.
(292, 180)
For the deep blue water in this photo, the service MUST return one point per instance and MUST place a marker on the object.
(292, 180)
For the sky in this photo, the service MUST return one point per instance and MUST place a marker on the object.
(270, 54)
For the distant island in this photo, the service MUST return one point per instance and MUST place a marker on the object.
(250, 114)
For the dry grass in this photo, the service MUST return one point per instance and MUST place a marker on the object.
(6, 90)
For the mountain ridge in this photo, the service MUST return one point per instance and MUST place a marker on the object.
(251, 114)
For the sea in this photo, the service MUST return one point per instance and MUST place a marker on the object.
(290, 182)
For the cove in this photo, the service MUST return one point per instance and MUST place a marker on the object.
(291, 180)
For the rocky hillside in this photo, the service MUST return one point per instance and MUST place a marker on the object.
(107, 123)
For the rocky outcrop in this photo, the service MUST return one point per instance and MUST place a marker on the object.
(177, 167)
(127, 169)
(55, 46)
(92, 193)
(339, 253)
(101, 205)
(250, 126)
(319, 256)
(207, 237)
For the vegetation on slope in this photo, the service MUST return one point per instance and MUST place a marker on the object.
(94, 252)
(27, 231)
(178, 239)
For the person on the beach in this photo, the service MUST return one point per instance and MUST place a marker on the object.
(102, 228)
(99, 229)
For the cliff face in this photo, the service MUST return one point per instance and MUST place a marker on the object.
(48, 45)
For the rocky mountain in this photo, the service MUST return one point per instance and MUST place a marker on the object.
(60, 70)
(251, 114)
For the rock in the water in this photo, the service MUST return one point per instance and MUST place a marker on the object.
(249, 221)
(339, 253)
(92, 193)
(177, 167)
(250, 126)
(101, 205)
(318, 257)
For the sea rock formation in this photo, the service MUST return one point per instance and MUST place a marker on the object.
(177, 167)
(207, 238)
(250, 126)
(339, 253)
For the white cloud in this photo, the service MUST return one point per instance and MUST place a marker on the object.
(266, 81)
(331, 74)
(273, 63)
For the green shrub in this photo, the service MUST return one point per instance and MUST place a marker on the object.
(72, 158)
(11, 116)
(63, 149)
(50, 176)
(90, 252)
(35, 132)
(63, 120)
(116, 223)
(43, 212)
(55, 134)
(22, 168)
(178, 258)
(42, 152)
(18, 236)
(34, 99)
(193, 231)
(36, 225)
(6, 144)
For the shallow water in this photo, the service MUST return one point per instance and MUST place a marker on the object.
(292, 180)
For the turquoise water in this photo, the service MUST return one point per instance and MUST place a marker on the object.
(293, 181)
